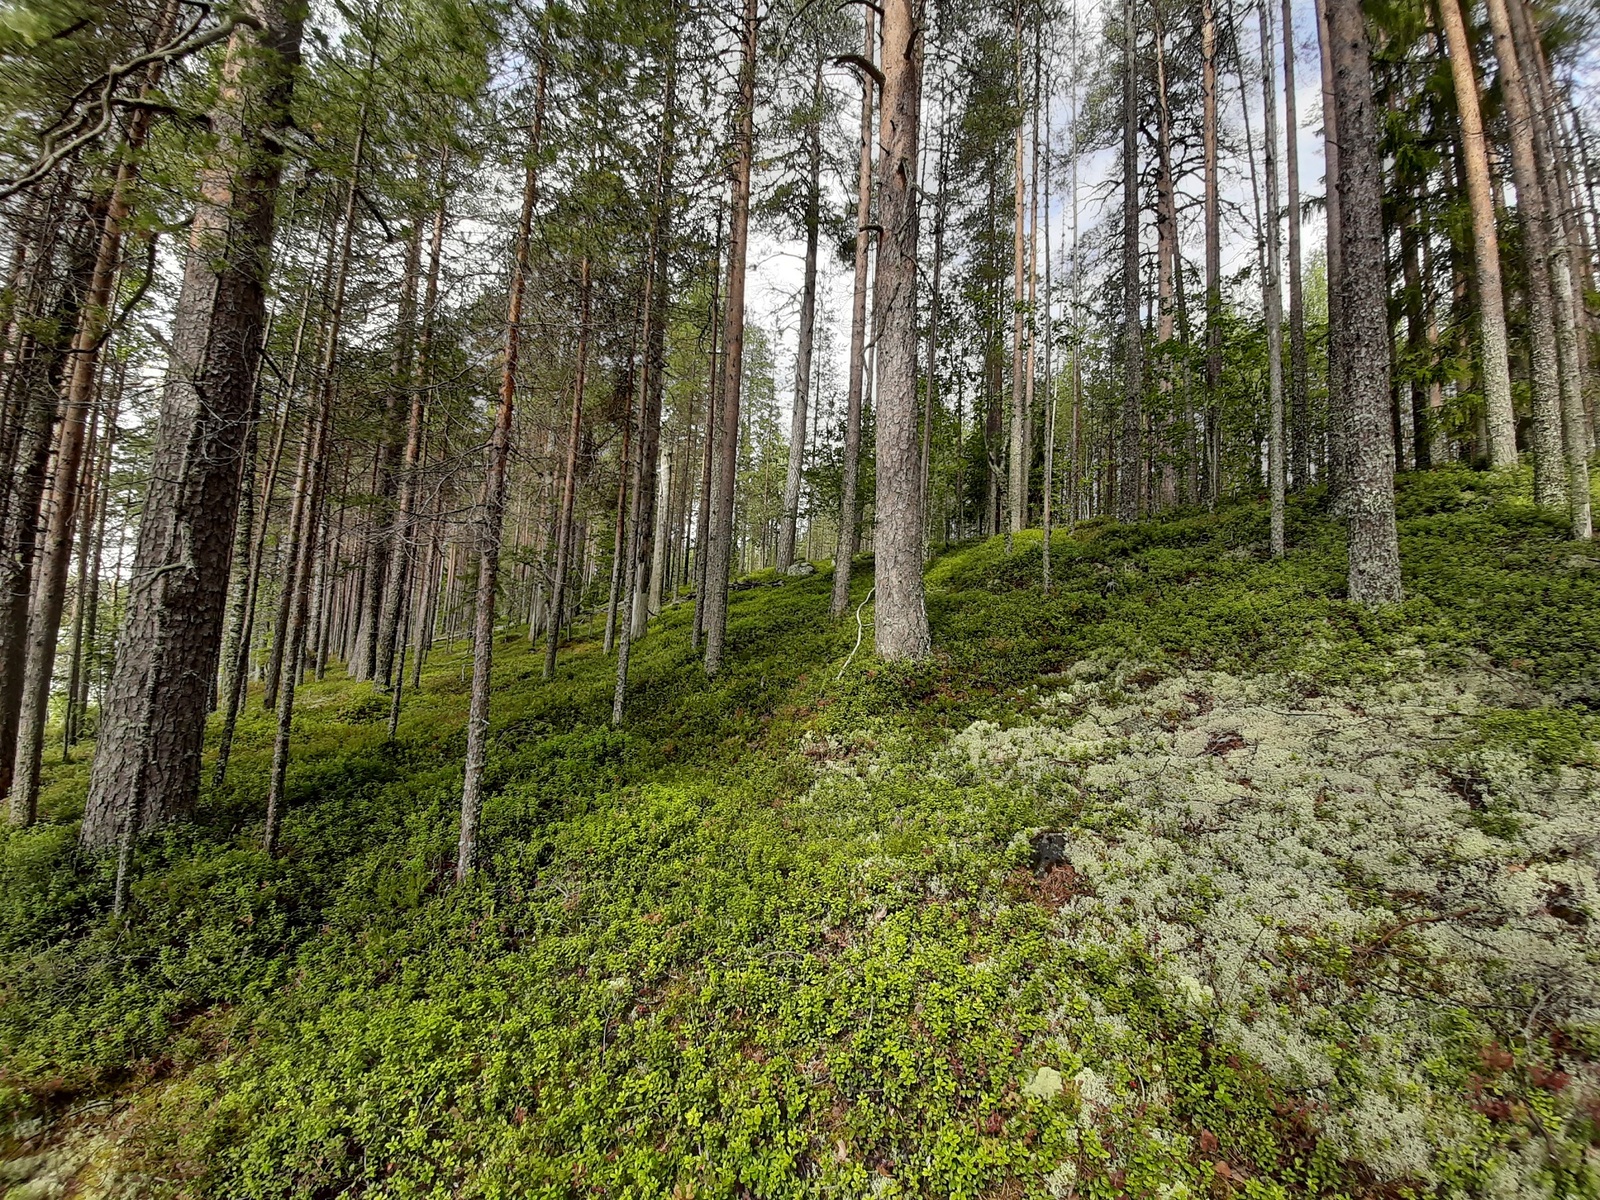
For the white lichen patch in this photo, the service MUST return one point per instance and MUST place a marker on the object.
(1340, 882)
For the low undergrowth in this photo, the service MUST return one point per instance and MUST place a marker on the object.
(782, 935)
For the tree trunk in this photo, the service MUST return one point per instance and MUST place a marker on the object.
(381, 546)
(60, 512)
(1213, 238)
(1129, 458)
(569, 483)
(416, 421)
(644, 540)
(1271, 293)
(90, 487)
(1017, 484)
(702, 531)
(494, 501)
(858, 341)
(719, 556)
(1048, 513)
(306, 516)
(1493, 355)
(1299, 381)
(147, 760)
(901, 627)
(1338, 432)
(1364, 335)
(802, 363)
(1574, 422)
(931, 404)
(1549, 471)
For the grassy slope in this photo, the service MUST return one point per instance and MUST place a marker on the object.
(687, 967)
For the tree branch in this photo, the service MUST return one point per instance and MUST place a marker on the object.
(54, 155)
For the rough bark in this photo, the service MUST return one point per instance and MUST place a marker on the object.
(901, 625)
(648, 494)
(147, 761)
(48, 306)
(719, 550)
(1374, 569)
(60, 513)
(1567, 302)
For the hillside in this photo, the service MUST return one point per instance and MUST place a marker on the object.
(1185, 879)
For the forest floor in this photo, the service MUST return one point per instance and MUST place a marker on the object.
(1185, 879)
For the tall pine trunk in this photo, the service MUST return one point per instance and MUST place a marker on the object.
(1493, 354)
(808, 315)
(644, 540)
(306, 518)
(1271, 293)
(858, 343)
(1129, 459)
(1338, 431)
(719, 550)
(565, 527)
(1549, 470)
(147, 761)
(1299, 373)
(494, 505)
(901, 627)
(402, 559)
(1363, 304)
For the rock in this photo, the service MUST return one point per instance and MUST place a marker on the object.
(801, 569)
(1049, 851)
(1045, 1084)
